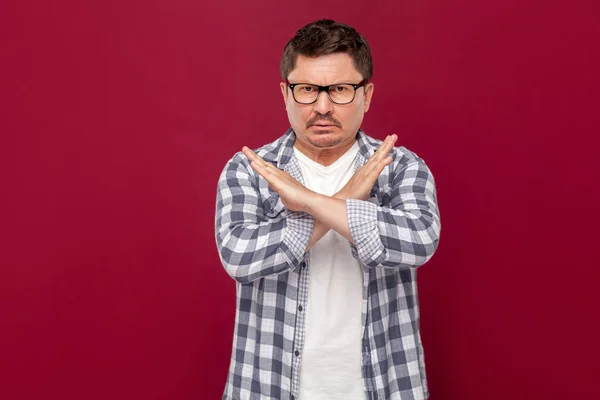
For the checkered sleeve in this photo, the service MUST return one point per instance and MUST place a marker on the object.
(406, 232)
(252, 244)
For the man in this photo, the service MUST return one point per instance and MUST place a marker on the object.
(323, 230)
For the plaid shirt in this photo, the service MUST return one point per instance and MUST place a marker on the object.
(262, 246)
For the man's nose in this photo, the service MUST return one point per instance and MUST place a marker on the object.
(323, 105)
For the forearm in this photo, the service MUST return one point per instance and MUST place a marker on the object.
(331, 213)
(319, 231)
(404, 237)
(247, 251)
(253, 244)
(405, 231)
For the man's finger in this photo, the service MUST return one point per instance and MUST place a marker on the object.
(257, 167)
(379, 149)
(382, 152)
(387, 146)
(375, 157)
(253, 157)
(384, 148)
(263, 171)
(269, 175)
(373, 173)
(249, 153)
(382, 164)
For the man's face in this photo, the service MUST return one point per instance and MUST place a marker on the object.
(323, 125)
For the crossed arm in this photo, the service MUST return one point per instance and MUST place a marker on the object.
(402, 234)
(329, 212)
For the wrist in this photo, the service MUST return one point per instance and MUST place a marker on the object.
(313, 203)
(341, 195)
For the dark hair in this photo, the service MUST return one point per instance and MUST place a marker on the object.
(327, 37)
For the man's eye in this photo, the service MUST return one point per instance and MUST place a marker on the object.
(339, 89)
(307, 88)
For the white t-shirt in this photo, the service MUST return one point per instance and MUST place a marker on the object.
(331, 357)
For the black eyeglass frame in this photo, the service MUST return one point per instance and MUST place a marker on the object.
(326, 89)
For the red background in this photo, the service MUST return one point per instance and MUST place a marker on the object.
(117, 117)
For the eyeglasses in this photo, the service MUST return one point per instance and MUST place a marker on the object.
(340, 93)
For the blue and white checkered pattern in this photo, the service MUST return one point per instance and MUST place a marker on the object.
(262, 246)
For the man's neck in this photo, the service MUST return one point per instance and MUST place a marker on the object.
(325, 156)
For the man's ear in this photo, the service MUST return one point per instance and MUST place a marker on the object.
(284, 91)
(369, 89)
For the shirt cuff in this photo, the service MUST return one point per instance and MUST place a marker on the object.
(299, 228)
(362, 221)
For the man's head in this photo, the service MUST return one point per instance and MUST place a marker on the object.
(325, 53)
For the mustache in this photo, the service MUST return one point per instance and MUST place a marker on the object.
(323, 119)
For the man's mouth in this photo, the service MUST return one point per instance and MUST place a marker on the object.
(323, 124)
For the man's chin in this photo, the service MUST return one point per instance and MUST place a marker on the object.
(325, 139)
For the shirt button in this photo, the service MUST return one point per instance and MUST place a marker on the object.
(300, 308)
(297, 353)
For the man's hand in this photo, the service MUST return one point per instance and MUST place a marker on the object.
(329, 212)
(360, 185)
(292, 193)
